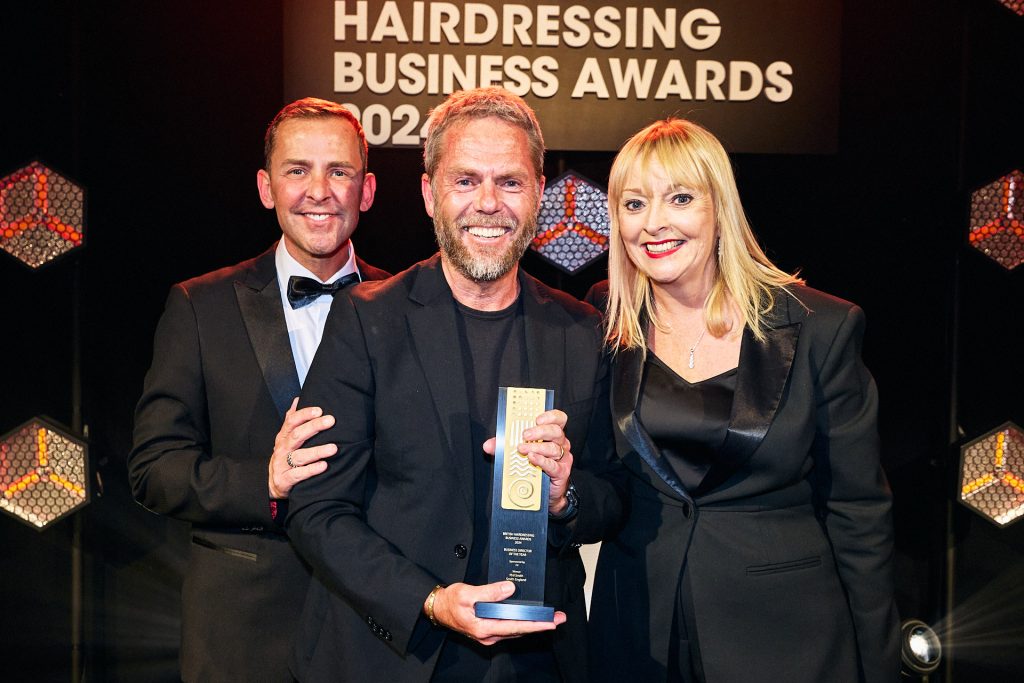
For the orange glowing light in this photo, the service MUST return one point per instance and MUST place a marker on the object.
(39, 209)
(1014, 482)
(70, 486)
(989, 481)
(41, 446)
(977, 484)
(995, 220)
(43, 473)
(570, 224)
(20, 484)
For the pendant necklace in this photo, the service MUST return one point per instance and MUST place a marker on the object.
(694, 347)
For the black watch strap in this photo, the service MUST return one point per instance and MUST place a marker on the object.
(572, 507)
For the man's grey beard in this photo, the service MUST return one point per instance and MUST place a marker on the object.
(487, 268)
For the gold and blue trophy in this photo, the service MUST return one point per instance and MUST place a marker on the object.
(519, 511)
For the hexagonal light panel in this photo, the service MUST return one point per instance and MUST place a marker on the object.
(42, 214)
(43, 473)
(997, 228)
(1014, 5)
(992, 474)
(573, 226)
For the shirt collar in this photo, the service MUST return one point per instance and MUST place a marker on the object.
(287, 266)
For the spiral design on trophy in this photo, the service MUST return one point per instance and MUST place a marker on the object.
(521, 491)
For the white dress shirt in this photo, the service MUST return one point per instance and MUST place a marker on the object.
(306, 324)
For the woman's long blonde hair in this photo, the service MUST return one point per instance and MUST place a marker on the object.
(745, 280)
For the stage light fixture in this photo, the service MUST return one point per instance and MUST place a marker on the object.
(992, 474)
(43, 473)
(42, 214)
(573, 226)
(1014, 6)
(997, 228)
(920, 648)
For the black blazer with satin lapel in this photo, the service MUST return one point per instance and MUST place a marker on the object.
(221, 381)
(393, 515)
(786, 543)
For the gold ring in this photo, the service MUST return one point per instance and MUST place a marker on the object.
(561, 453)
(289, 460)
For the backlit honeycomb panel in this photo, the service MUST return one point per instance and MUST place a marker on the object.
(42, 214)
(992, 475)
(997, 228)
(42, 474)
(1014, 5)
(573, 226)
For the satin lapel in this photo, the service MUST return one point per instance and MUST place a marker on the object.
(626, 376)
(259, 300)
(761, 378)
(433, 330)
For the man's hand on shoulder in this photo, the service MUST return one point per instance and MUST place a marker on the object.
(290, 463)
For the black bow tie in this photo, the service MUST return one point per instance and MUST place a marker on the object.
(303, 291)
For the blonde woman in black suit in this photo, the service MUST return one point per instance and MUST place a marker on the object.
(759, 540)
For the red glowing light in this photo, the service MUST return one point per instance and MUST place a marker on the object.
(41, 214)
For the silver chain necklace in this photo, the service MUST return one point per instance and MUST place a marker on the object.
(694, 347)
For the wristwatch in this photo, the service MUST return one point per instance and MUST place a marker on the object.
(572, 505)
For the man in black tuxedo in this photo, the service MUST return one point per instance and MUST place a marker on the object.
(397, 527)
(230, 354)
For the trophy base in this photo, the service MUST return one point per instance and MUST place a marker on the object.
(519, 610)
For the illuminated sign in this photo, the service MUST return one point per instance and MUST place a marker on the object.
(764, 77)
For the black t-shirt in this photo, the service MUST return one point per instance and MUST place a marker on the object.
(493, 345)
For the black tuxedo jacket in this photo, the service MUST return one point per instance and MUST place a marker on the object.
(393, 515)
(215, 396)
(787, 541)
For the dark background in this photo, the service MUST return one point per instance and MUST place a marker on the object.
(158, 109)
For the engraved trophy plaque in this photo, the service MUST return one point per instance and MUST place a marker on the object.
(519, 511)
